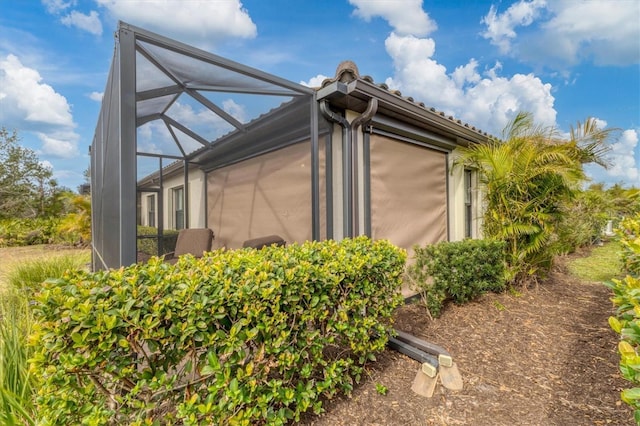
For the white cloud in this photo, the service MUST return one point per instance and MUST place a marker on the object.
(57, 6)
(198, 22)
(601, 124)
(59, 145)
(96, 96)
(237, 111)
(488, 101)
(625, 158)
(30, 105)
(90, 23)
(315, 81)
(25, 98)
(501, 27)
(564, 33)
(406, 17)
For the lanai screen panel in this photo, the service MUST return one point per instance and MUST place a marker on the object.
(408, 193)
(264, 195)
(106, 177)
(165, 99)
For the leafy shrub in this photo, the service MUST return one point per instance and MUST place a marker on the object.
(75, 226)
(460, 271)
(236, 337)
(149, 246)
(582, 222)
(629, 233)
(24, 232)
(627, 323)
(626, 296)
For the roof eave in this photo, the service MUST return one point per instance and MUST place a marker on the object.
(356, 94)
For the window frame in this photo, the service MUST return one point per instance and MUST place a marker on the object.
(151, 210)
(177, 199)
(468, 203)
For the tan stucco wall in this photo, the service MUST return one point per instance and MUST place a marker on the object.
(196, 187)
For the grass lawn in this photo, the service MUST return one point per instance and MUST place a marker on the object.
(13, 257)
(602, 264)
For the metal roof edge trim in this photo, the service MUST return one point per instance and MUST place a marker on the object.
(407, 108)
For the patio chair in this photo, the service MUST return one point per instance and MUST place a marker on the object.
(258, 243)
(193, 241)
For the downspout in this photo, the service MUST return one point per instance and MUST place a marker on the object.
(346, 164)
(372, 108)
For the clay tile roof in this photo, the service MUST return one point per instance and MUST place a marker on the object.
(347, 71)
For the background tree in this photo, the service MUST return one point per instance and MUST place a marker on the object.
(25, 183)
(76, 225)
(528, 176)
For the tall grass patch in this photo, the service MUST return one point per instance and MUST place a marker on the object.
(29, 276)
(21, 281)
(16, 382)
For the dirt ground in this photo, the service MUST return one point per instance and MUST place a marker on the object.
(539, 356)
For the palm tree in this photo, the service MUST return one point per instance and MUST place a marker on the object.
(526, 177)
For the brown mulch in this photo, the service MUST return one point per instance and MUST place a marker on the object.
(540, 356)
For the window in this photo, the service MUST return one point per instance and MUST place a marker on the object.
(468, 204)
(178, 208)
(151, 210)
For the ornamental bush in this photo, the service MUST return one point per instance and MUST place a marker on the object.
(460, 271)
(236, 337)
(629, 233)
(25, 232)
(626, 322)
(149, 246)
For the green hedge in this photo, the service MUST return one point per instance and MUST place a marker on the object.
(25, 232)
(460, 271)
(149, 246)
(629, 233)
(626, 297)
(236, 337)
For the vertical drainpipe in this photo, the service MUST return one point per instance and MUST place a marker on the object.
(185, 207)
(315, 171)
(160, 210)
(346, 163)
(328, 175)
(366, 174)
(372, 108)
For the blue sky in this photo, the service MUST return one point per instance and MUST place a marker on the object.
(481, 61)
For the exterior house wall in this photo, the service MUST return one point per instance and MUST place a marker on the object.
(148, 209)
(171, 181)
(196, 197)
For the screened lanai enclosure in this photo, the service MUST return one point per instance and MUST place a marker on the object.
(171, 107)
(187, 139)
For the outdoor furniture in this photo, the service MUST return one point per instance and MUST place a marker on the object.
(194, 241)
(258, 243)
